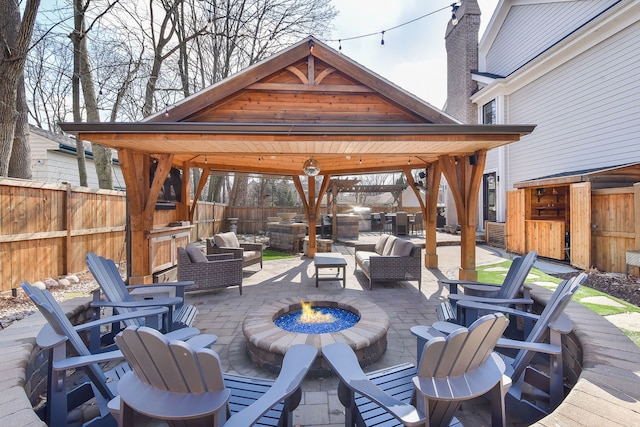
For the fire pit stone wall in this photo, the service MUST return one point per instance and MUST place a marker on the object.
(266, 343)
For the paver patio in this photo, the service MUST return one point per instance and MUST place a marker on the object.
(608, 392)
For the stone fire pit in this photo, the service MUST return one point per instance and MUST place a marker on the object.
(267, 343)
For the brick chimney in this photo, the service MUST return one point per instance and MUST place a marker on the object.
(461, 41)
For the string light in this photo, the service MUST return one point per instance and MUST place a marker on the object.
(454, 6)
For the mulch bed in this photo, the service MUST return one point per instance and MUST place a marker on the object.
(616, 285)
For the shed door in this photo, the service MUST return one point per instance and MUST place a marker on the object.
(515, 241)
(580, 225)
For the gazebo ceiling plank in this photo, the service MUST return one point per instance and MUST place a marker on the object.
(293, 165)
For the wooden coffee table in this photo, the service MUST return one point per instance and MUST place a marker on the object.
(330, 260)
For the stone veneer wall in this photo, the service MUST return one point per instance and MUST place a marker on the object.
(287, 237)
(23, 365)
(348, 226)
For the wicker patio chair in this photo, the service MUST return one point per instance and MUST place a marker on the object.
(208, 271)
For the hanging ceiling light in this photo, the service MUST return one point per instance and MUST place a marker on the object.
(311, 167)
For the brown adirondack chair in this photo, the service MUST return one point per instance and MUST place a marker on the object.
(455, 368)
(172, 381)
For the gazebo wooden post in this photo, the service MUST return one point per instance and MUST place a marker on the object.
(334, 212)
(311, 206)
(142, 198)
(464, 175)
(429, 209)
(312, 215)
(184, 204)
(430, 216)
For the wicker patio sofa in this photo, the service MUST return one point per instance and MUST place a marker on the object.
(389, 259)
(208, 271)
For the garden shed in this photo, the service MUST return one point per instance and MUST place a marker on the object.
(590, 218)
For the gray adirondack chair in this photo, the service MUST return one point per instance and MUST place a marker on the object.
(172, 381)
(453, 369)
(544, 338)
(505, 294)
(67, 351)
(108, 277)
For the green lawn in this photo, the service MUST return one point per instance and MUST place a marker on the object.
(270, 255)
(494, 273)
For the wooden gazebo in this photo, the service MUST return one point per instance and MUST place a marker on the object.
(307, 102)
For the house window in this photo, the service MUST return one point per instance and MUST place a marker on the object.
(489, 113)
(489, 193)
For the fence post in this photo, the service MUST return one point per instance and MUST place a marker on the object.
(67, 226)
(636, 212)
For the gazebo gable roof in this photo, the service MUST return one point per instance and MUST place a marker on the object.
(306, 83)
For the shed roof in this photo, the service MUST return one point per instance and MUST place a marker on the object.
(600, 177)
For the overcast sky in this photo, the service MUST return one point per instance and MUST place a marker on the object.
(413, 56)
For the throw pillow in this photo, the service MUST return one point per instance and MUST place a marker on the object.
(380, 243)
(402, 248)
(195, 254)
(388, 246)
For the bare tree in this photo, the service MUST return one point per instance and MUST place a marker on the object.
(48, 79)
(15, 36)
(20, 162)
(83, 77)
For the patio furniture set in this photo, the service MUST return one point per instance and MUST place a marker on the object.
(161, 367)
(401, 223)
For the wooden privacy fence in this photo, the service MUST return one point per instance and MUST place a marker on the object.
(47, 229)
(253, 219)
(208, 219)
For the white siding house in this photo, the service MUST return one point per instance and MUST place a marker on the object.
(53, 159)
(571, 68)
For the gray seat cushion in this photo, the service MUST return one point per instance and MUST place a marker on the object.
(251, 255)
(362, 258)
